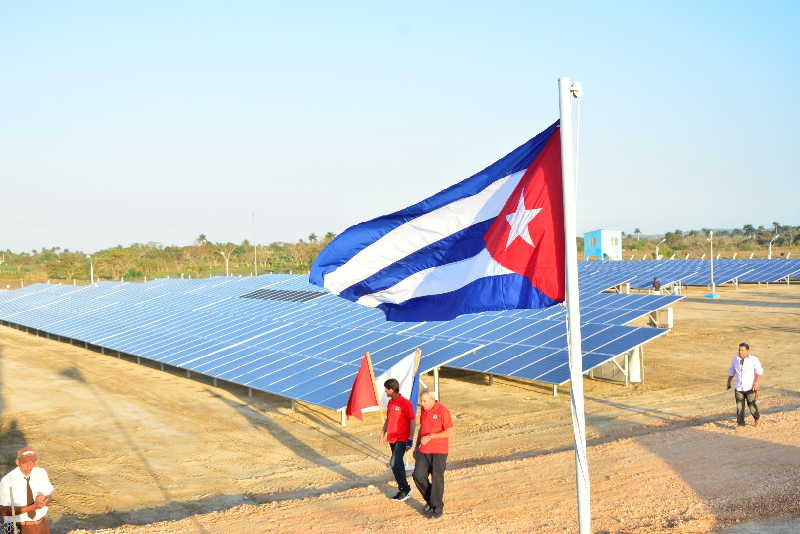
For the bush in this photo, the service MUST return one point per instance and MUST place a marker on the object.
(133, 273)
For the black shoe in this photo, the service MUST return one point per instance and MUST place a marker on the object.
(436, 514)
(428, 508)
(402, 496)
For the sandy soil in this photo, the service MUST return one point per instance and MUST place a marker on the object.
(127, 444)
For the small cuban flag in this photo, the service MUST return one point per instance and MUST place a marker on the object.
(494, 241)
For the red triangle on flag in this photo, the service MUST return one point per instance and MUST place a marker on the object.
(363, 394)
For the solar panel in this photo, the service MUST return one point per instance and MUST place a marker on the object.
(640, 273)
(279, 334)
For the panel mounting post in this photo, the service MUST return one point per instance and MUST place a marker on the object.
(436, 383)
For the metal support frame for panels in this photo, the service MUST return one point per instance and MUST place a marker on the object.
(436, 383)
(555, 390)
(627, 371)
(343, 417)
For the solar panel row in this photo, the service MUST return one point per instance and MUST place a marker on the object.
(691, 272)
(279, 334)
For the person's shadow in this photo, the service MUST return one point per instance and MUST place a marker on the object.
(12, 438)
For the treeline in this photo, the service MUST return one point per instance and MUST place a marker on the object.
(204, 258)
(141, 261)
(747, 239)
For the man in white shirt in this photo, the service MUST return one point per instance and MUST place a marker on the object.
(747, 370)
(26, 491)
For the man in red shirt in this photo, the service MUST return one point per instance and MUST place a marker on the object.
(398, 430)
(435, 431)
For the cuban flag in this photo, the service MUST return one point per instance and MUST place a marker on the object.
(494, 241)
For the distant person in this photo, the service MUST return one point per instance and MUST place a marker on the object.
(748, 371)
(435, 431)
(31, 491)
(656, 284)
(398, 432)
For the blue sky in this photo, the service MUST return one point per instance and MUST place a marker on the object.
(157, 121)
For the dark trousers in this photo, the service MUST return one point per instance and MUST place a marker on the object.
(750, 398)
(398, 466)
(432, 489)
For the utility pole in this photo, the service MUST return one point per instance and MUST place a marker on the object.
(91, 269)
(227, 257)
(658, 256)
(769, 254)
(255, 247)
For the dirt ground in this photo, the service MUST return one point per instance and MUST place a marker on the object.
(128, 444)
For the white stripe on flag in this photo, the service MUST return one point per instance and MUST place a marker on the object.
(403, 371)
(435, 280)
(423, 231)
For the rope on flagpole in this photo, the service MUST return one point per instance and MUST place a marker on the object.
(577, 90)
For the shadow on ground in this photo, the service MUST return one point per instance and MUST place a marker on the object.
(172, 510)
(12, 438)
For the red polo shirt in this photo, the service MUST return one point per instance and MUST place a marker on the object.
(433, 421)
(399, 414)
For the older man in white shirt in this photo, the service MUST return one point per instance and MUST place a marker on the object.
(25, 493)
(747, 371)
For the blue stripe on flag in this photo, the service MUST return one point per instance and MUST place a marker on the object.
(504, 292)
(357, 237)
(456, 247)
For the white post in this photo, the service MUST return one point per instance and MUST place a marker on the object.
(567, 91)
(255, 248)
(769, 255)
(711, 257)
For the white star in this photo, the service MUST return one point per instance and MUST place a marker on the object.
(519, 221)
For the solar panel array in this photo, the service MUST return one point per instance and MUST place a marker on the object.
(640, 273)
(282, 335)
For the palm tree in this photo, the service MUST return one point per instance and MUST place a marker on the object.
(312, 237)
(637, 232)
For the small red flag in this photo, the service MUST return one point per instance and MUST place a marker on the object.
(363, 394)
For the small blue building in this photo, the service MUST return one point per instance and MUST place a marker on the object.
(602, 245)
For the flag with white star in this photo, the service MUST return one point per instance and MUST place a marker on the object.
(494, 241)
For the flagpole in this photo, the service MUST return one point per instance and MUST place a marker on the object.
(567, 90)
